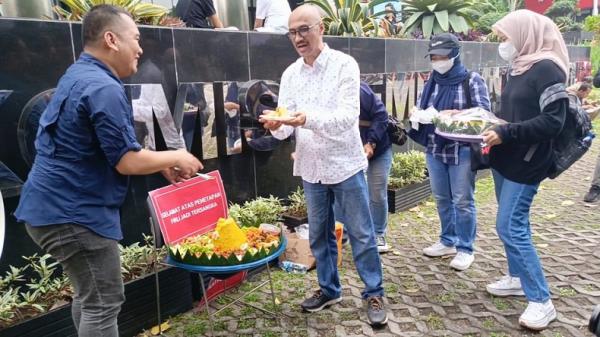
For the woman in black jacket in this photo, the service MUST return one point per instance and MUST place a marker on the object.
(534, 103)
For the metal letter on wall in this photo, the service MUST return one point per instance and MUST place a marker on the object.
(150, 106)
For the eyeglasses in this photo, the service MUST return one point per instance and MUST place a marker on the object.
(302, 31)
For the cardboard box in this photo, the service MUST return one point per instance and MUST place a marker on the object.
(297, 251)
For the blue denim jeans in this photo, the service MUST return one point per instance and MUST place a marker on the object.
(93, 265)
(377, 179)
(352, 198)
(514, 229)
(453, 187)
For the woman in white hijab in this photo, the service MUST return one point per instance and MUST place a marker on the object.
(534, 103)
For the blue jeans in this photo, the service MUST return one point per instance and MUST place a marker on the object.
(377, 179)
(353, 200)
(453, 187)
(514, 229)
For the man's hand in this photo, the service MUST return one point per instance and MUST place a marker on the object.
(299, 119)
(187, 165)
(231, 106)
(172, 175)
(368, 150)
(271, 125)
(491, 138)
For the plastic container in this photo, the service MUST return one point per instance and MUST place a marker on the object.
(294, 268)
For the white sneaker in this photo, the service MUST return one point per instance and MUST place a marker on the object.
(537, 316)
(506, 286)
(382, 246)
(462, 261)
(438, 249)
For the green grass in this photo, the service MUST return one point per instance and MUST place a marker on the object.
(248, 310)
(195, 328)
(567, 292)
(445, 297)
(500, 303)
(226, 312)
(245, 323)
(391, 288)
(252, 297)
(488, 323)
(347, 316)
(498, 334)
(434, 322)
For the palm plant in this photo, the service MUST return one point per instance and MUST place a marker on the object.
(437, 16)
(143, 13)
(349, 17)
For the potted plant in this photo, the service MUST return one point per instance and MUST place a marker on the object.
(255, 212)
(142, 13)
(295, 213)
(350, 17)
(408, 184)
(39, 305)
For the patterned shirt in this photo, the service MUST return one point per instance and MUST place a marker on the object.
(328, 147)
(448, 153)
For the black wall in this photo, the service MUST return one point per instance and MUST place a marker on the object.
(34, 54)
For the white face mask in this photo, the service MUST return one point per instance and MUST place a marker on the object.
(507, 51)
(444, 66)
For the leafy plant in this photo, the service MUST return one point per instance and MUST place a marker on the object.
(257, 211)
(143, 13)
(407, 168)
(22, 297)
(138, 260)
(349, 17)
(437, 16)
(297, 206)
(563, 13)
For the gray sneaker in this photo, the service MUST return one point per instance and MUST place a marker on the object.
(382, 245)
(376, 313)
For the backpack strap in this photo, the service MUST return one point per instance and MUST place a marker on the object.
(550, 95)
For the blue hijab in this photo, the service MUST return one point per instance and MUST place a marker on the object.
(446, 94)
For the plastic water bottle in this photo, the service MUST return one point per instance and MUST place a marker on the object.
(292, 267)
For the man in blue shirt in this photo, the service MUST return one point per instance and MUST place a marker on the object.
(86, 148)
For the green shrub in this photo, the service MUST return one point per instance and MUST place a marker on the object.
(407, 168)
(257, 211)
(297, 206)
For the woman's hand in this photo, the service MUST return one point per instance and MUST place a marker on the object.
(491, 138)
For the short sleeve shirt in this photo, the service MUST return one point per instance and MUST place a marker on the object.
(198, 13)
(84, 132)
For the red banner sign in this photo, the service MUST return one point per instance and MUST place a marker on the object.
(189, 208)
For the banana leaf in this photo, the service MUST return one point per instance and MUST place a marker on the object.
(215, 260)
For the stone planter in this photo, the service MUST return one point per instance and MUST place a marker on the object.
(137, 313)
(408, 197)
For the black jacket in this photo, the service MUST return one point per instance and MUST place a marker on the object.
(528, 125)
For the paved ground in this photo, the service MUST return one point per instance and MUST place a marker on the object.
(424, 296)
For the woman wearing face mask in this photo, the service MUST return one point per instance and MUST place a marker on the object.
(449, 162)
(535, 103)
